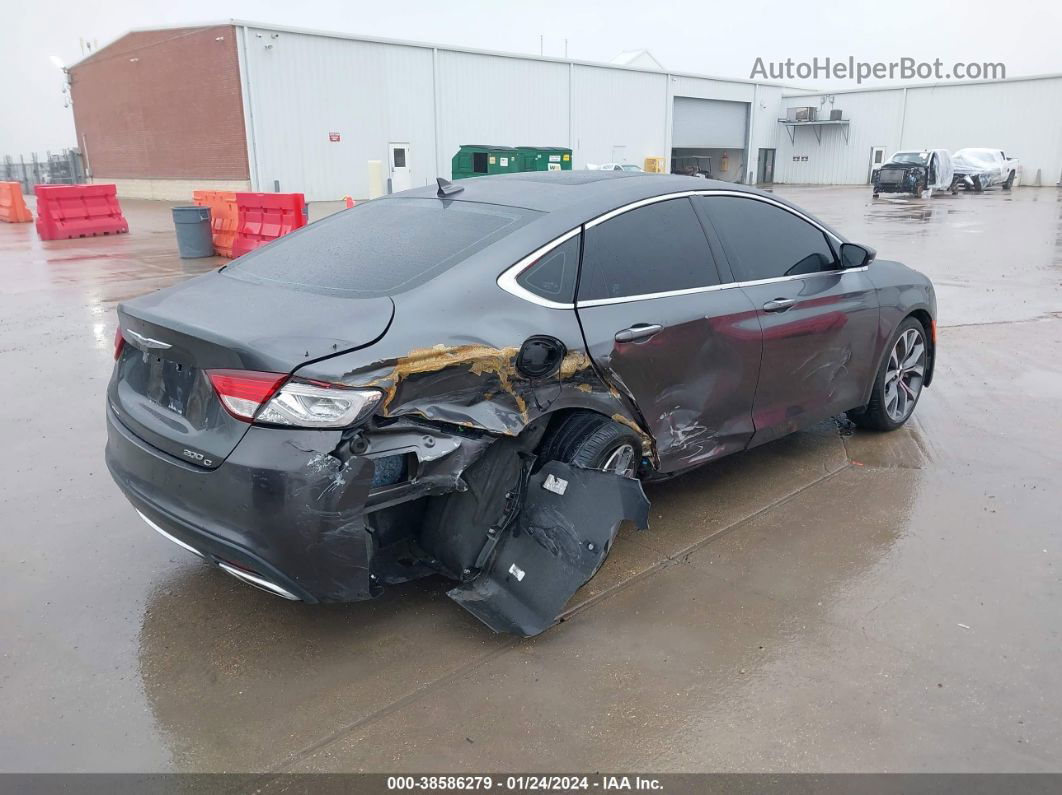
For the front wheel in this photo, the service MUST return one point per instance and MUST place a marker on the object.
(1010, 181)
(899, 381)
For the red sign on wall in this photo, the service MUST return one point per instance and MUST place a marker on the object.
(333, 137)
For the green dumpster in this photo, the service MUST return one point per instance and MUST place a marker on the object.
(544, 158)
(475, 160)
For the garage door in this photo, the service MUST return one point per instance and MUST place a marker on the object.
(708, 123)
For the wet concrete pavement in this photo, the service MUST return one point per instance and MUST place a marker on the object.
(834, 601)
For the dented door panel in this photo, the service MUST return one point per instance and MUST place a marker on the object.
(558, 540)
(694, 380)
(817, 354)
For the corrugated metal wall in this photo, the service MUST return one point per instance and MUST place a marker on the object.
(874, 121)
(299, 87)
(605, 125)
(483, 99)
(1022, 117)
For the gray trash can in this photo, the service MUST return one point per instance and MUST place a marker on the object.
(193, 232)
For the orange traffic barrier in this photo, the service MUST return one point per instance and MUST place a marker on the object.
(65, 211)
(266, 216)
(223, 217)
(13, 207)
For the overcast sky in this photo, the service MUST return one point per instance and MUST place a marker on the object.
(721, 39)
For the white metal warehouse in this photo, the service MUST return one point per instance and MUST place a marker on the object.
(1022, 116)
(282, 109)
(298, 86)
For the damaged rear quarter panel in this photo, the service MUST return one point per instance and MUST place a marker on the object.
(457, 364)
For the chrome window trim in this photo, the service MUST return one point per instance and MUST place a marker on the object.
(507, 280)
(624, 299)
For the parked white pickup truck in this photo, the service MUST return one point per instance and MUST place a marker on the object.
(977, 169)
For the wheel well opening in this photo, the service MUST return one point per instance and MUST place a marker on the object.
(923, 317)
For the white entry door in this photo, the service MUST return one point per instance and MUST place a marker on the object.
(877, 157)
(401, 173)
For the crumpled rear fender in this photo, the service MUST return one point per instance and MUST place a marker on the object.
(427, 370)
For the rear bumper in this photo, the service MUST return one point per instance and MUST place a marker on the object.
(280, 509)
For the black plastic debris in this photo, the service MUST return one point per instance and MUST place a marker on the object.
(558, 541)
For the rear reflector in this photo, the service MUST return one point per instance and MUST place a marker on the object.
(242, 392)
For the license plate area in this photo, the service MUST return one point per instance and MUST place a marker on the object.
(167, 384)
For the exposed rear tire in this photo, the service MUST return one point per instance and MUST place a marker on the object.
(593, 441)
(899, 381)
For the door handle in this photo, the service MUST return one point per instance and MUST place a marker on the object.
(639, 331)
(778, 304)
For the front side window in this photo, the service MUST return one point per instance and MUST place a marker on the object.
(552, 276)
(654, 249)
(763, 241)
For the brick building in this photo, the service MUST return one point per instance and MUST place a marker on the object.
(160, 112)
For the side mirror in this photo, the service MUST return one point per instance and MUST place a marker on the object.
(854, 255)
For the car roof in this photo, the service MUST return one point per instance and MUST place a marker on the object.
(580, 193)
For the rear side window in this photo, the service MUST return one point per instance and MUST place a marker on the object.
(553, 275)
(653, 249)
(766, 242)
(379, 248)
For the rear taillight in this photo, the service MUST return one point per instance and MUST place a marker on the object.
(305, 404)
(270, 399)
(119, 342)
(243, 392)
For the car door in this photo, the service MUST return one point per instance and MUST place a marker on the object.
(819, 321)
(667, 332)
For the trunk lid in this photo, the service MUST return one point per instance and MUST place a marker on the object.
(160, 389)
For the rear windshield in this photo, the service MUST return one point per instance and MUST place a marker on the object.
(379, 248)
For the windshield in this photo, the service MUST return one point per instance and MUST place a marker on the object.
(379, 248)
(917, 158)
(631, 167)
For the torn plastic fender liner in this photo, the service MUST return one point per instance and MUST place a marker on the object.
(560, 538)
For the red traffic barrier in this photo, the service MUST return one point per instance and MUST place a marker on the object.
(66, 211)
(223, 217)
(264, 217)
(13, 207)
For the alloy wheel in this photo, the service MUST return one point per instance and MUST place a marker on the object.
(904, 375)
(620, 461)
